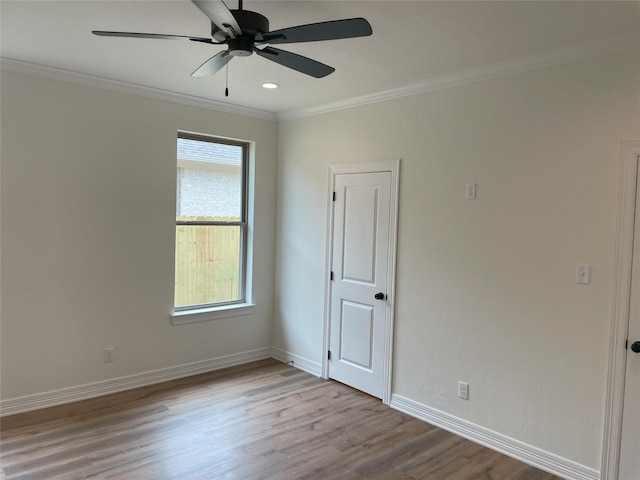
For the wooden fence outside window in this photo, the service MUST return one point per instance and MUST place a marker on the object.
(207, 263)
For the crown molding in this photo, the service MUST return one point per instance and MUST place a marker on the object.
(18, 66)
(609, 46)
(600, 48)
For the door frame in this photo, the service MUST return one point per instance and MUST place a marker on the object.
(392, 166)
(621, 301)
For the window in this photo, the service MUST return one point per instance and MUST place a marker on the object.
(211, 225)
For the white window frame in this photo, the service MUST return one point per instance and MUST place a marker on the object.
(244, 306)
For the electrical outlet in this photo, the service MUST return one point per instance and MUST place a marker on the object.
(463, 390)
(470, 191)
(107, 355)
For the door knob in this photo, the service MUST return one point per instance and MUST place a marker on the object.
(380, 296)
(635, 346)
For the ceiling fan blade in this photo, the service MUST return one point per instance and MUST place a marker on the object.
(220, 15)
(333, 30)
(212, 65)
(151, 35)
(295, 62)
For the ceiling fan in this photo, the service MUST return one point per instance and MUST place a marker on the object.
(241, 30)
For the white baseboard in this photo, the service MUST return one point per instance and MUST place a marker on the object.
(511, 447)
(297, 361)
(531, 455)
(105, 387)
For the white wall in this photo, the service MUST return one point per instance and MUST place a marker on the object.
(88, 226)
(486, 289)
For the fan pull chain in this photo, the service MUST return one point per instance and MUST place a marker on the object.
(226, 87)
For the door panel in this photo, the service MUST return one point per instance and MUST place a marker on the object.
(630, 443)
(359, 248)
(356, 336)
(361, 222)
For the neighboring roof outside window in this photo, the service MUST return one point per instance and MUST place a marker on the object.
(200, 151)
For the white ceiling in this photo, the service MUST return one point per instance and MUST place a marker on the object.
(413, 42)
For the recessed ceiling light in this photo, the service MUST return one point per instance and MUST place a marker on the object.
(270, 85)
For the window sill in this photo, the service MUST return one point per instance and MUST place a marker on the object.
(182, 317)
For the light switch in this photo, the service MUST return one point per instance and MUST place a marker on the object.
(583, 274)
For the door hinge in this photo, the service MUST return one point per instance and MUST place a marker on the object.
(334, 196)
(331, 276)
(328, 354)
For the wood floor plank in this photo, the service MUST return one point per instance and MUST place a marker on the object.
(259, 421)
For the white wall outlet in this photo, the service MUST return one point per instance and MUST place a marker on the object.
(583, 274)
(470, 191)
(107, 355)
(463, 390)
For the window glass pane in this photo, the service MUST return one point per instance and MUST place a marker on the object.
(208, 264)
(209, 195)
(209, 181)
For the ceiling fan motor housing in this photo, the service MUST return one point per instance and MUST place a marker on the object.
(251, 23)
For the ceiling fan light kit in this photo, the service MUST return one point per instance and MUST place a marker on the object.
(242, 29)
(240, 47)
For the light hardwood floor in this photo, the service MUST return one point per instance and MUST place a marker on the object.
(264, 420)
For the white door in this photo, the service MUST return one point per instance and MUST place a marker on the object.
(630, 443)
(359, 303)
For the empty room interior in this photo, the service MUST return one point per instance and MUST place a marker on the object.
(441, 227)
